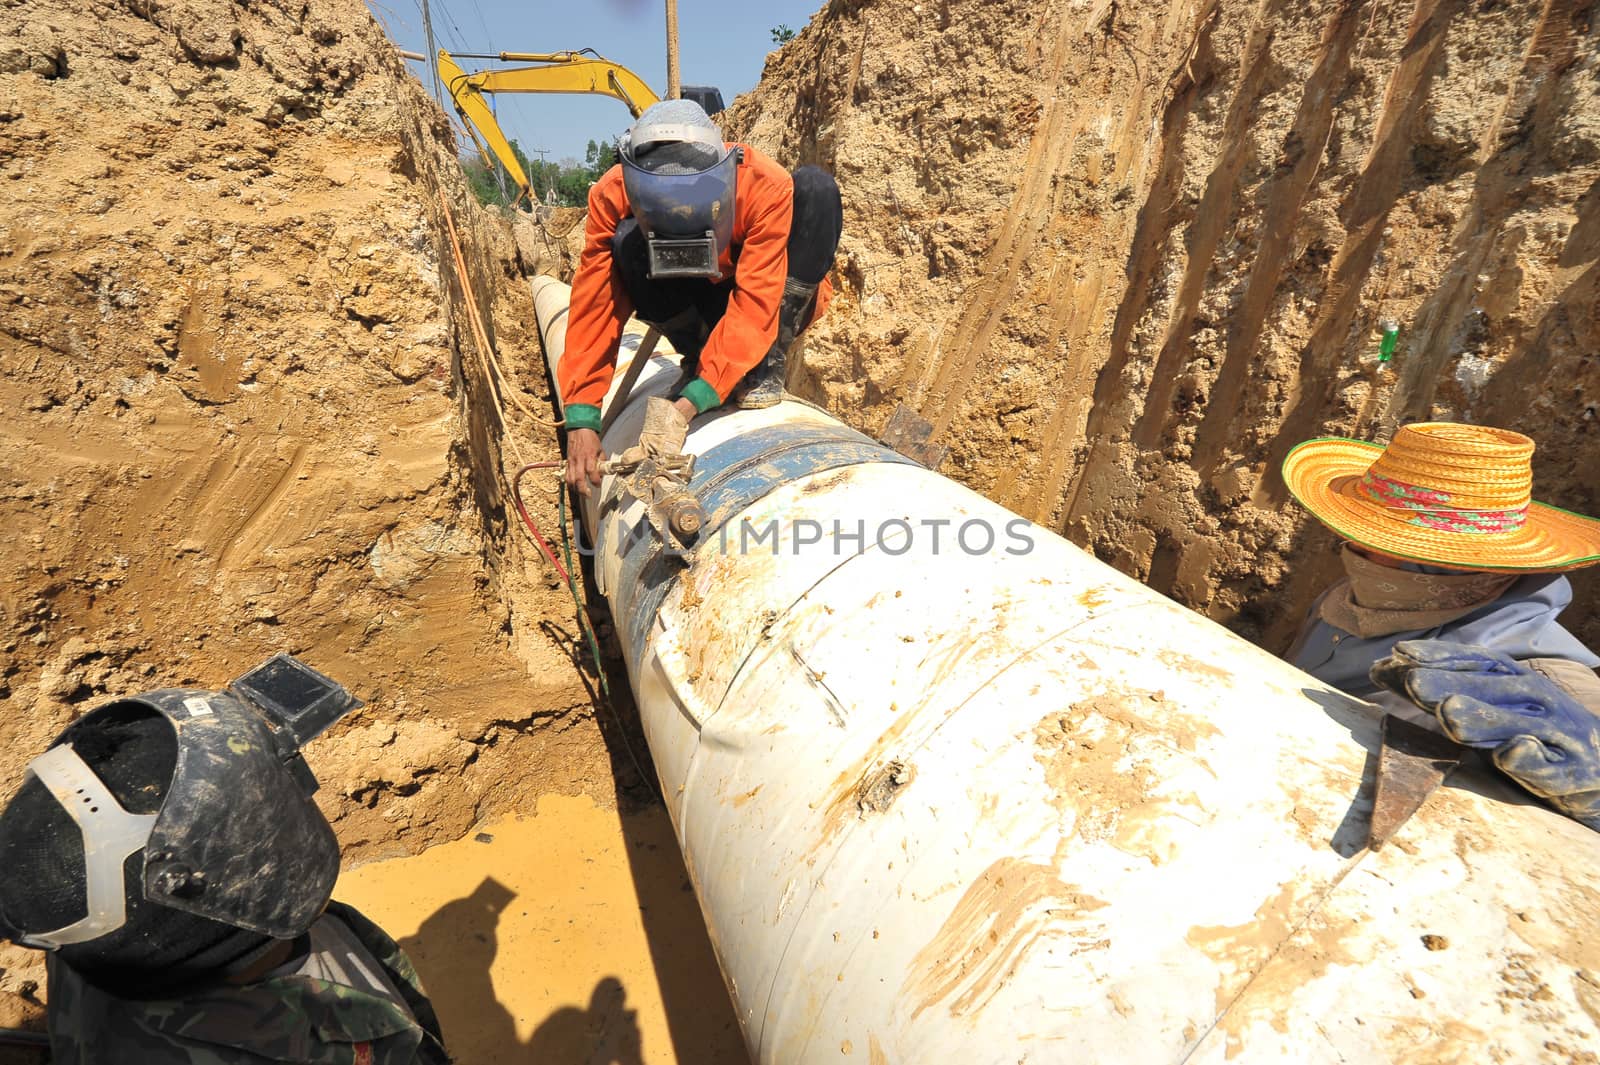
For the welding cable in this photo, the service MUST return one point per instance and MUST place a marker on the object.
(516, 497)
(496, 386)
(583, 614)
(566, 572)
(495, 381)
(594, 649)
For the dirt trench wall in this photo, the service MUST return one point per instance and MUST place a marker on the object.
(243, 413)
(1125, 254)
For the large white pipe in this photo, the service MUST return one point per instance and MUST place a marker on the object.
(1011, 806)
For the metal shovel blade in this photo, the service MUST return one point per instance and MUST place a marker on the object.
(1411, 763)
(911, 434)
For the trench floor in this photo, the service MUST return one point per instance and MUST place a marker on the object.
(571, 937)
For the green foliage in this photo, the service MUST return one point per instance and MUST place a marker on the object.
(566, 184)
(481, 180)
(601, 156)
(489, 181)
(782, 34)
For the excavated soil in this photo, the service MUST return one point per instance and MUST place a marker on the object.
(244, 413)
(1125, 254)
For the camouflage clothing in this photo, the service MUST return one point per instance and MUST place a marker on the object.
(284, 1016)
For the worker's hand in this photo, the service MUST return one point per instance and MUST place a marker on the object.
(686, 408)
(583, 460)
(1415, 668)
(665, 426)
(1540, 736)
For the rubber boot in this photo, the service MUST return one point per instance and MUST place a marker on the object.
(764, 386)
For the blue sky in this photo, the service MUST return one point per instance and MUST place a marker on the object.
(721, 42)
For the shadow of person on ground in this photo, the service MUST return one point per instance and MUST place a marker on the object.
(701, 1024)
(452, 952)
(606, 1033)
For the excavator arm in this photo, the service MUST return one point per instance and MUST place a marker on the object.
(557, 72)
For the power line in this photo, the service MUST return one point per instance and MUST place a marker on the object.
(478, 10)
(452, 28)
(549, 186)
(433, 53)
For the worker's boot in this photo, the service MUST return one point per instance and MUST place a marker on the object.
(764, 385)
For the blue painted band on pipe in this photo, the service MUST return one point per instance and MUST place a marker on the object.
(735, 457)
(728, 479)
(725, 462)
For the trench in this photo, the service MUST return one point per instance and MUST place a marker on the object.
(565, 927)
(255, 414)
(562, 926)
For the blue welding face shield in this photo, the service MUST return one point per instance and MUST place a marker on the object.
(681, 185)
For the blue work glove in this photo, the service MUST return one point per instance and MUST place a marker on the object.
(1540, 736)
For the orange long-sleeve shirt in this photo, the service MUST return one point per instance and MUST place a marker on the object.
(757, 257)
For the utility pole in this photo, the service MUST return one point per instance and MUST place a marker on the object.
(548, 185)
(433, 53)
(672, 49)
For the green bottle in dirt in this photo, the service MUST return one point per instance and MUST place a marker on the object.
(1391, 337)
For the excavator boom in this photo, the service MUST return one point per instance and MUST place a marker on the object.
(553, 72)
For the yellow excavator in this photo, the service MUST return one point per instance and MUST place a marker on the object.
(554, 72)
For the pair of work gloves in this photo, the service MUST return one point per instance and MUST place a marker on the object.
(1537, 733)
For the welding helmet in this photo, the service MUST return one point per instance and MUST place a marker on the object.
(680, 178)
(169, 834)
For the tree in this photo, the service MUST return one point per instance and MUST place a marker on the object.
(601, 156)
(572, 187)
(782, 34)
(488, 180)
(567, 181)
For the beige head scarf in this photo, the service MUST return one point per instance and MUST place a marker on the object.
(1377, 600)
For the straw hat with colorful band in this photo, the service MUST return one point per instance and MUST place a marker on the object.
(1444, 494)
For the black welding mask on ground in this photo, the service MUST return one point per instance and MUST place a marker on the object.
(680, 179)
(173, 833)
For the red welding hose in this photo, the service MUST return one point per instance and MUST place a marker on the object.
(516, 497)
(577, 602)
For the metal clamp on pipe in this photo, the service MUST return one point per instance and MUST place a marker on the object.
(656, 471)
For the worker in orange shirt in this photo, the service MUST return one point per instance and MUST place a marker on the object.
(714, 244)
